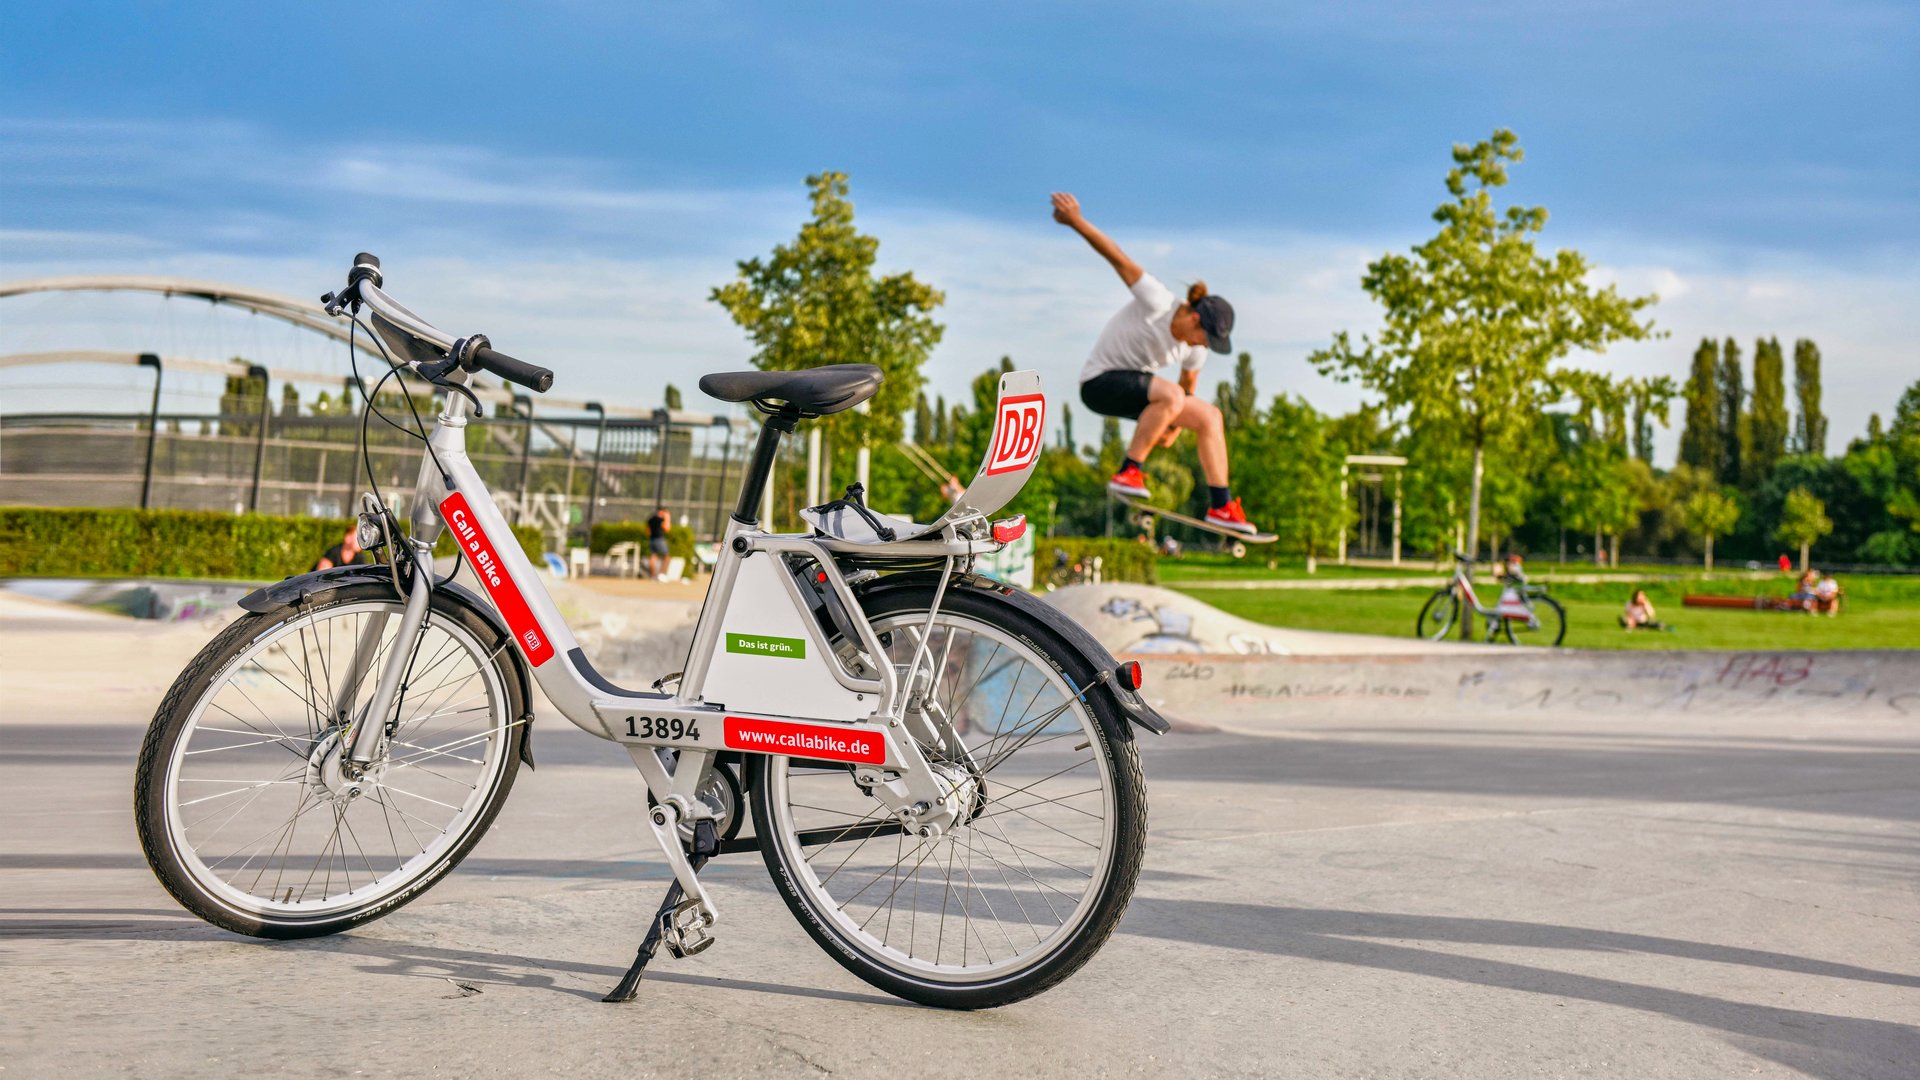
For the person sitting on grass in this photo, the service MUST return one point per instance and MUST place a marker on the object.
(1803, 594)
(1640, 614)
(1826, 596)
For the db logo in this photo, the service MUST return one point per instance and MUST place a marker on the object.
(1017, 432)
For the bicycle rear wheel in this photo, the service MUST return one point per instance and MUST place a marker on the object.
(1551, 631)
(245, 809)
(1030, 881)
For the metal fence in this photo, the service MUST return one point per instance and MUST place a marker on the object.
(560, 474)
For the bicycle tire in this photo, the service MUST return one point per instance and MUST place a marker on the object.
(183, 872)
(879, 960)
(1429, 624)
(1559, 622)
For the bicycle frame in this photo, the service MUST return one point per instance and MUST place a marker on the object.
(1518, 607)
(762, 675)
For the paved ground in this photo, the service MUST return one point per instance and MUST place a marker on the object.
(1506, 893)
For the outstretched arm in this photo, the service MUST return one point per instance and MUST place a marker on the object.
(1066, 211)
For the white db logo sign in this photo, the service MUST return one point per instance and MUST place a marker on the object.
(1018, 429)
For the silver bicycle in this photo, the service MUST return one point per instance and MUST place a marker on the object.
(940, 770)
(1524, 613)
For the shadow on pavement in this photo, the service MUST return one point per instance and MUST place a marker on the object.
(1821, 1043)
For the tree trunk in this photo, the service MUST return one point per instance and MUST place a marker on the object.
(1599, 550)
(1709, 553)
(1614, 561)
(1804, 545)
(1473, 503)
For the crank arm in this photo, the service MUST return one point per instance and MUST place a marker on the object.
(664, 820)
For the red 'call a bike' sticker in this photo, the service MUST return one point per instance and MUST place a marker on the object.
(1018, 426)
(492, 574)
(831, 742)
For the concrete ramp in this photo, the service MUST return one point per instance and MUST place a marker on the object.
(1207, 669)
(1149, 620)
(1275, 694)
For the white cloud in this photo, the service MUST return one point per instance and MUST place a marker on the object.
(607, 282)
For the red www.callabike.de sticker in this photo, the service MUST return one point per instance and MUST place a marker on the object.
(827, 741)
(487, 567)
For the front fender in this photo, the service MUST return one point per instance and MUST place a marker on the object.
(1076, 636)
(295, 591)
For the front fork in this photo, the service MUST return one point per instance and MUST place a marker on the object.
(366, 741)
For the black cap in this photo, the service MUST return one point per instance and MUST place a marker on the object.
(1216, 318)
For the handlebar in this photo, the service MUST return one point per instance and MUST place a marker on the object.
(538, 379)
(363, 284)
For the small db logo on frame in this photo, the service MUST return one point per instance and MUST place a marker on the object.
(1018, 430)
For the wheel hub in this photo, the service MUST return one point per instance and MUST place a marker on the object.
(329, 770)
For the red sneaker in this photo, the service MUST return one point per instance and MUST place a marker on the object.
(1129, 483)
(1232, 517)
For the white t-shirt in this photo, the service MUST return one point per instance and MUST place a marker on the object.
(1140, 337)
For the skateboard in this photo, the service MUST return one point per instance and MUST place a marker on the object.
(1143, 515)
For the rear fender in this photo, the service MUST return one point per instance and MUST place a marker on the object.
(1098, 659)
(295, 591)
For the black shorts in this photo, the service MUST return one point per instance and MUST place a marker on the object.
(1117, 393)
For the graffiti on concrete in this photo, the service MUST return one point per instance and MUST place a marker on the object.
(1172, 630)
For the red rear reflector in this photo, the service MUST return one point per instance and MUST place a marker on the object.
(1011, 529)
(1129, 674)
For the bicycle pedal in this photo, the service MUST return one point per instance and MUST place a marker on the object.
(685, 930)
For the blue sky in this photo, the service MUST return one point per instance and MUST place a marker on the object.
(574, 176)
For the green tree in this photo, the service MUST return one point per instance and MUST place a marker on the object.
(1239, 401)
(816, 301)
(1803, 521)
(672, 396)
(1476, 317)
(1710, 513)
(1766, 420)
(1810, 425)
(1700, 444)
(1296, 491)
(1733, 403)
(922, 420)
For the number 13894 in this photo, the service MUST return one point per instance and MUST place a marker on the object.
(662, 727)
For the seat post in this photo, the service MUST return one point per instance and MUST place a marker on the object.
(753, 482)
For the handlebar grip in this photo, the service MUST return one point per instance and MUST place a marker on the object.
(365, 267)
(538, 379)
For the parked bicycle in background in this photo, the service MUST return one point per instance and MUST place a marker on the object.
(1524, 614)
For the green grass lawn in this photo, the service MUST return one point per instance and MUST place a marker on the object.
(1218, 566)
(1880, 613)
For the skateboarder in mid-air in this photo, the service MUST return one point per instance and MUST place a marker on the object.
(1156, 329)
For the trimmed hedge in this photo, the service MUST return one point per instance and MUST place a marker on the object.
(1121, 560)
(608, 533)
(85, 542)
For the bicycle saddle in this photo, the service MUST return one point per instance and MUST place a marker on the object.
(811, 392)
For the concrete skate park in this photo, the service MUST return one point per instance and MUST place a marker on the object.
(1367, 856)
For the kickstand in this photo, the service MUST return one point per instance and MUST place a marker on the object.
(705, 844)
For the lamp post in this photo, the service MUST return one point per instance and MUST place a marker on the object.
(665, 420)
(726, 453)
(523, 403)
(593, 485)
(153, 430)
(255, 371)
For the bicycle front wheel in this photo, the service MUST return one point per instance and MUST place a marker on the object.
(248, 813)
(1552, 628)
(1438, 615)
(1032, 878)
